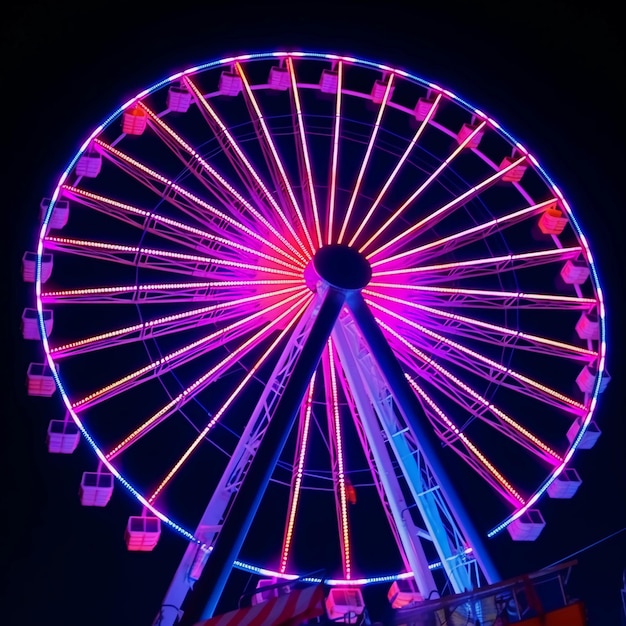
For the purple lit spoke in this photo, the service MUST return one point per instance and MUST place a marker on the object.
(212, 375)
(411, 199)
(487, 368)
(178, 232)
(337, 456)
(242, 164)
(458, 441)
(182, 355)
(474, 404)
(446, 245)
(366, 158)
(303, 153)
(436, 216)
(302, 446)
(170, 324)
(273, 157)
(462, 270)
(396, 170)
(164, 260)
(487, 332)
(232, 397)
(185, 201)
(215, 182)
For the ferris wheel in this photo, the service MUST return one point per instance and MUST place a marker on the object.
(298, 300)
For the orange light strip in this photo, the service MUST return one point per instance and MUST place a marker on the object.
(295, 494)
(251, 373)
(343, 501)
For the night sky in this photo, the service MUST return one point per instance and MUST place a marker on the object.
(550, 73)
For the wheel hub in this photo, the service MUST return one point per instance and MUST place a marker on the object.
(339, 266)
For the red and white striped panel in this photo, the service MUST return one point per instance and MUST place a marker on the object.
(290, 609)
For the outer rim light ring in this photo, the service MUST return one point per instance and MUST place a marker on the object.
(364, 63)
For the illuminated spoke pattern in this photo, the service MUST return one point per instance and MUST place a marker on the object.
(188, 280)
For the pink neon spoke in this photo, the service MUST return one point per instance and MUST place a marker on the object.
(396, 170)
(481, 358)
(484, 296)
(78, 246)
(473, 393)
(180, 226)
(179, 354)
(549, 255)
(249, 376)
(335, 155)
(205, 106)
(420, 189)
(478, 231)
(332, 400)
(296, 483)
(305, 150)
(437, 215)
(170, 185)
(366, 158)
(502, 330)
(469, 445)
(139, 331)
(274, 151)
(215, 174)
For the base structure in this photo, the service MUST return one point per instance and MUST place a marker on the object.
(394, 430)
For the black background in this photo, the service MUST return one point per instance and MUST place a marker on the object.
(551, 73)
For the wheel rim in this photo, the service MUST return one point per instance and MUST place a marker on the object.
(241, 196)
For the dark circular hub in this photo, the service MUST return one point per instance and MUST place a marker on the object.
(342, 267)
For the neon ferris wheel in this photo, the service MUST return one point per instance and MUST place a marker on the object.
(297, 299)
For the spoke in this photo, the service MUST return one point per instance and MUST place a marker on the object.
(211, 376)
(515, 430)
(304, 426)
(166, 325)
(481, 361)
(468, 236)
(182, 198)
(484, 298)
(461, 270)
(274, 152)
(496, 334)
(479, 457)
(332, 196)
(178, 357)
(417, 193)
(396, 170)
(337, 458)
(366, 158)
(223, 133)
(304, 149)
(167, 228)
(203, 433)
(153, 258)
(225, 191)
